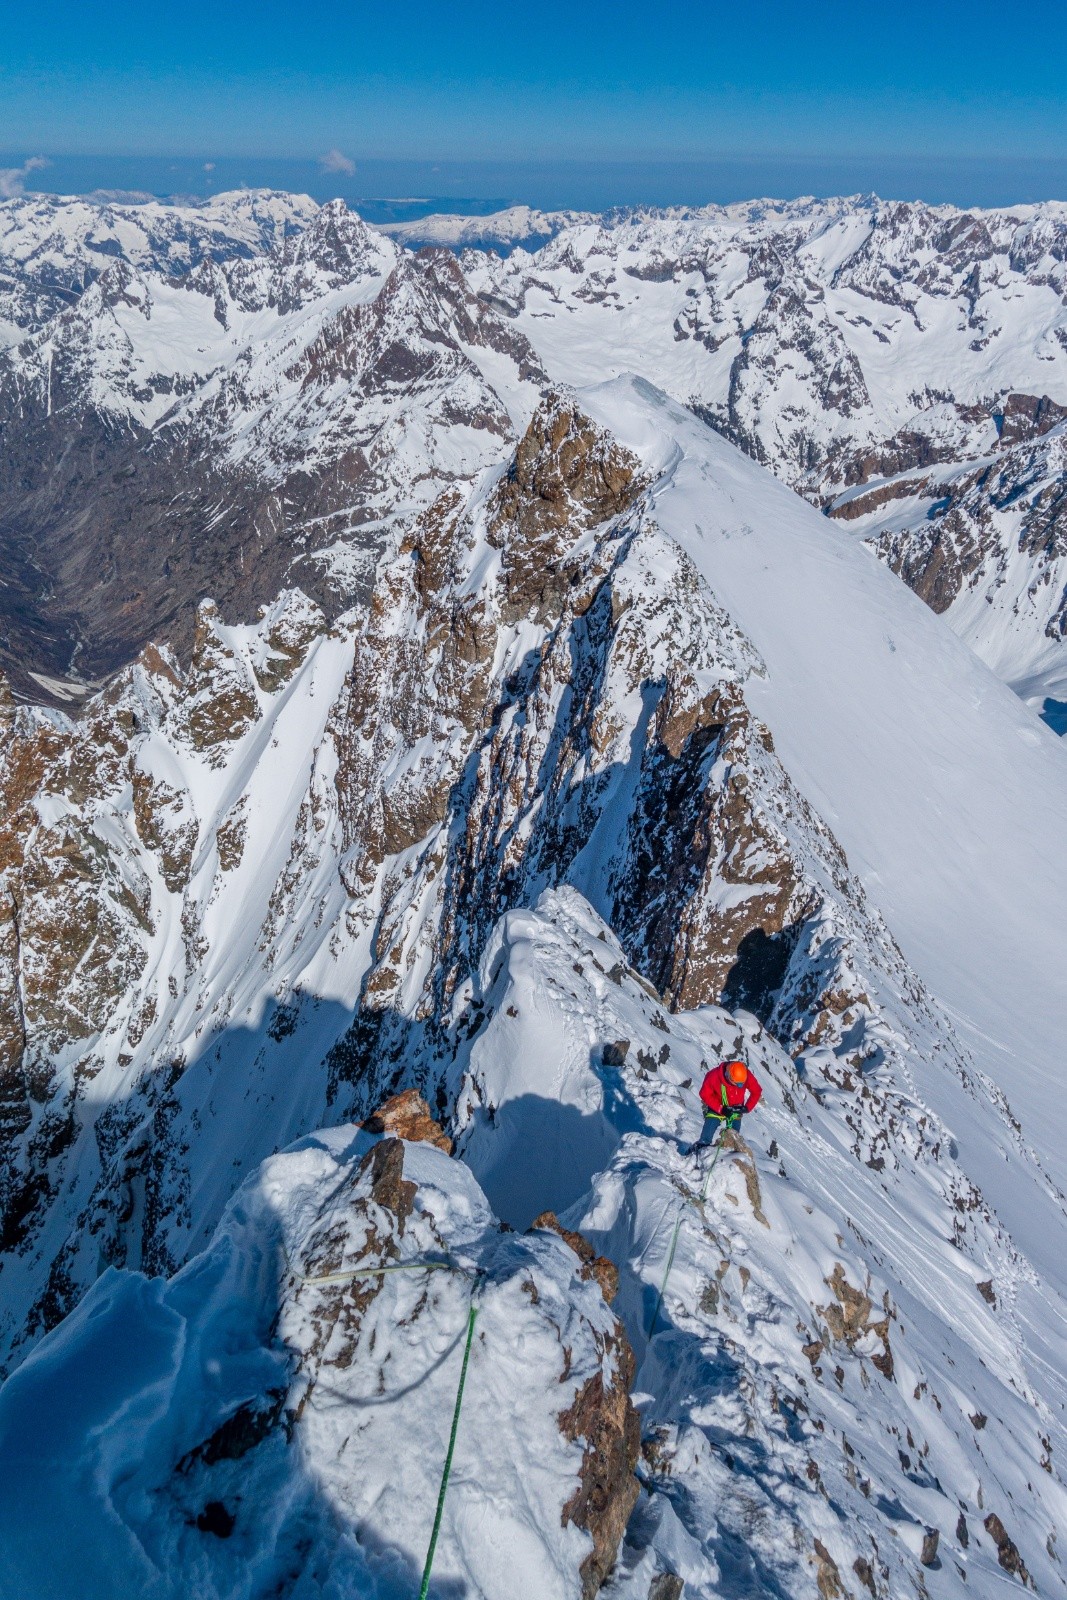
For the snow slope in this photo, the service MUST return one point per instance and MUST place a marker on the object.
(313, 1418)
(947, 795)
(788, 1443)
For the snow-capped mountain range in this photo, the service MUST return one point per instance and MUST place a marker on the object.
(483, 721)
(849, 345)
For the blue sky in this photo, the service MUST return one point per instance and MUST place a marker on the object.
(912, 88)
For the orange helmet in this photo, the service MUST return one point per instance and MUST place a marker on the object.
(736, 1071)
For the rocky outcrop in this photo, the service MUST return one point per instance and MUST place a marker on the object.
(593, 1266)
(566, 476)
(604, 1421)
(995, 534)
(407, 1116)
(221, 702)
(1028, 416)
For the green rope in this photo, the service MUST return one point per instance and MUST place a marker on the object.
(448, 1458)
(422, 1266)
(674, 1238)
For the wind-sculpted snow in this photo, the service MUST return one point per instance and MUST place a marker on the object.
(247, 1429)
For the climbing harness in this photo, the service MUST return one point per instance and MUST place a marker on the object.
(674, 1238)
(422, 1266)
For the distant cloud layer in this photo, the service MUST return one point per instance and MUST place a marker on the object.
(336, 161)
(13, 179)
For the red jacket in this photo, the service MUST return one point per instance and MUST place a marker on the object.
(721, 1096)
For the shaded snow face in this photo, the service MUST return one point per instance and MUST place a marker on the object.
(246, 1428)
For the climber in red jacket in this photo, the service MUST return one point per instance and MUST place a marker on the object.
(729, 1092)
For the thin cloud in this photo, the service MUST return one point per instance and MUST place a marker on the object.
(336, 161)
(209, 166)
(13, 179)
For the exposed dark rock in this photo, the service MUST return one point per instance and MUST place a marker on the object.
(407, 1116)
(567, 475)
(666, 1586)
(216, 1519)
(239, 1434)
(389, 1187)
(604, 1420)
(1007, 1550)
(1028, 416)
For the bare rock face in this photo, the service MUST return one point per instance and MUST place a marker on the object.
(469, 787)
(222, 703)
(567, 475)
(849, 1320)
(690, 838)
(603, 1418)
(407, 1116)
(1007, 1551)
(164, 823)
(1028, 416)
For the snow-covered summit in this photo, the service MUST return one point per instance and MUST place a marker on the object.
(514, 228)
(841, 343)
(53, 247)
